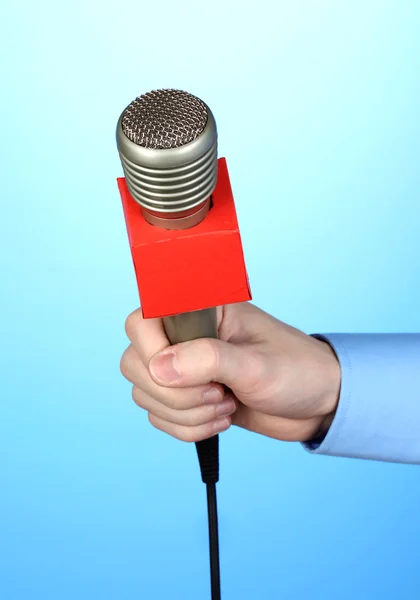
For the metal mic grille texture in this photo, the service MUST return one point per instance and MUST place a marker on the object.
(164, 119)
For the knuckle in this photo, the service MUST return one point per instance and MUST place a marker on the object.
(177, 401)
(137, 395)
(132, 323)
(188, 435)
(190, 418)
(183, 399)
(170, 401)
(153, 420)
(200, 417)
(179, 432)
(207, 349)
(125, 363)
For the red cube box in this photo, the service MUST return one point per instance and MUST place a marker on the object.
(192, 269)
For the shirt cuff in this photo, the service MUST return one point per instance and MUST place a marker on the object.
(378, 413)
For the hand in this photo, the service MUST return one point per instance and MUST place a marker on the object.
(282, 383)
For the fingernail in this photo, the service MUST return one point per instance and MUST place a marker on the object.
(221, 425)
(163, 367)
(227, 407)
(212, 396)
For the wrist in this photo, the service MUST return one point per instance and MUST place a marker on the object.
(332, 380)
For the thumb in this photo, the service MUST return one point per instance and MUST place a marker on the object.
(201, 361)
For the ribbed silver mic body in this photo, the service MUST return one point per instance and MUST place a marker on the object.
(167, 141)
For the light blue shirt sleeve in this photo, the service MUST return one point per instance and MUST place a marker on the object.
(378, 414)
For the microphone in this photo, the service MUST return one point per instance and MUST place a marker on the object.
(167, 142)
(175, 183)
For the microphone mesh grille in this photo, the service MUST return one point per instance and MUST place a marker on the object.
(164, 119)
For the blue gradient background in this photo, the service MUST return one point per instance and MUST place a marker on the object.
(317, 105)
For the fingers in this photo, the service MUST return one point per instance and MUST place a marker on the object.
(192, 417)
(191, 434)
(288, 430)
(134, 370)
(201, 361)
(147, 335)
(192, 411)
(244, 321)
(193, 363)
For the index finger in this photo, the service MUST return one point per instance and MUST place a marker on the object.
(147, 335)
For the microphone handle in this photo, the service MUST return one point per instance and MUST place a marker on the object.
(191, 325)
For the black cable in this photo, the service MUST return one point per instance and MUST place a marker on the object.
(214, 541)
(208, 456)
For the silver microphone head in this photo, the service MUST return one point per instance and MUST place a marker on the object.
(167, 141)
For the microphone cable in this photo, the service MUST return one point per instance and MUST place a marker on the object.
(208, 457)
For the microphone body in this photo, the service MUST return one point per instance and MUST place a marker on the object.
(191, 325)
